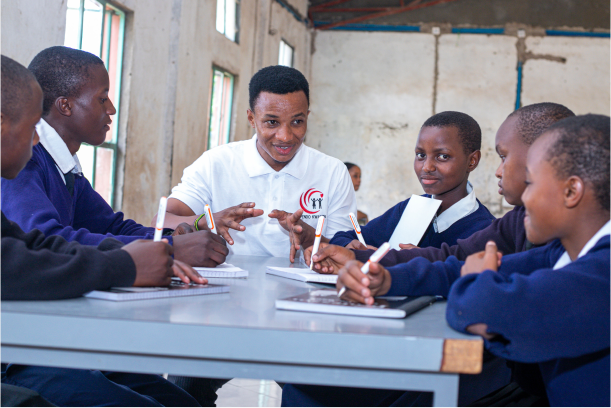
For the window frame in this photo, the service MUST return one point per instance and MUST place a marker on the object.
(226, 103)
(287, 44)
(238, 5)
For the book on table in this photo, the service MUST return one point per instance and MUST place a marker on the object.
(326, 301)
(223, 270)
(139, 293)
(302, 274)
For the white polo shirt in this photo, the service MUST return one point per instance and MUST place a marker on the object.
(235, 173)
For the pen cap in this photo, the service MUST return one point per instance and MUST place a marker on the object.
(163, 202)
(321, 223)
(355, 223)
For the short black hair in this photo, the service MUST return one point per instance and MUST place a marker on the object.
(350, 165)
(279, 80)
(581, 148)
(469, 132)
(16, 87)
(534, 119)
(61, 71)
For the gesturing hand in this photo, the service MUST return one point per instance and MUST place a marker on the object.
(490, 258)
(153, 262)
(329, 259)
(230, 218)
(360, 287)
(300, 233)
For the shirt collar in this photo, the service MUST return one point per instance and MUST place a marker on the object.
(57, 148)
(459, 210)
(565, 259)
(257, 166)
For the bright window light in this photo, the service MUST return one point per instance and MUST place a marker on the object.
(228, 18)
(285, 56)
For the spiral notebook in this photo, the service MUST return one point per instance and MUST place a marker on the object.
(302, 274)
(223, 270)
(140, 293)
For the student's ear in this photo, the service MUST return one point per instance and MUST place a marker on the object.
(574, 190)
(473, 160)
(63, 106)
(251, 117)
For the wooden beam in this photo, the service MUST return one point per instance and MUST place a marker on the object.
(462, 356)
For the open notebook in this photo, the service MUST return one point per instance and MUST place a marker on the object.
(326, 301)
(223, 270)
(302, 274)
(140, 293)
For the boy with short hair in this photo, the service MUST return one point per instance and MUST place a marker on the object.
(51, 193)
(550, 305)
(39, 268)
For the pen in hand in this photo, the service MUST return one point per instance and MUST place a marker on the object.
(375, 257)
(321, 223)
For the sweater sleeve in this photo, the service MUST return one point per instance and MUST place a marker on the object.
(39, 268)
(539, 314)
(421, 277)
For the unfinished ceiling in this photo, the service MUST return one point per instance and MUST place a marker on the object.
(578, 14)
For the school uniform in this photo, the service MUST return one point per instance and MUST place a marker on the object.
(461, 220)
(234, 173)
(550, 311)
(508, 233)
(52, 195)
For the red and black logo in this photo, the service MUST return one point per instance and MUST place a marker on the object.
(311, 201)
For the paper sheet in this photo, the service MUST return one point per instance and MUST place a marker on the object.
(415, 220)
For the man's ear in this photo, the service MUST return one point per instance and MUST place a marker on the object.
(251, 117)
(63, 106)
(574, 190)
(473, 160)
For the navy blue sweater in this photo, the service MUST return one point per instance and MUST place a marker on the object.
(380, 229)
(39, 199)
(558, 319)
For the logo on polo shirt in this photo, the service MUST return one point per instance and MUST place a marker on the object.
(311, 201)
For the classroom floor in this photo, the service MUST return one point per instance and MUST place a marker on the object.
(249, 393)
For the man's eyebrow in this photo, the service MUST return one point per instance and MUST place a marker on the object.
(299, 114)
(269, 115)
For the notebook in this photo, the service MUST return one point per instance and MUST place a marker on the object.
(326, 301)
(414, 221)
(302, 274)
(223, 270)
(139, 293)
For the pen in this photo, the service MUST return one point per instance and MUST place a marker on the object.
(160, 219)
(209, 218)
(375, 257)
(321, 222)
(357, 228)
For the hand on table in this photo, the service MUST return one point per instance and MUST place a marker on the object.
(184, 228)
(200, 248)
(187, 274)
(356, 244)
(408, 246)
(329, 259)
(153, 262)
(478, 262)
(482, 330)
(301, 234)
(230, 218)
(360, 287)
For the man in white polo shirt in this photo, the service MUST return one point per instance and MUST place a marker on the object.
(274, 171)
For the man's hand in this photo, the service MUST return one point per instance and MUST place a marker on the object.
(153, 262)
(201, 248)
(408, 246)
(230, 218)
(356, 244)
(329, 259)
(184, 228)
(490, 258)
(301, 234)
(360, 287)
(187, 274)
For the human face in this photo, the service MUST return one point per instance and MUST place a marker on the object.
(91, 109)
(441, 164)
(512, 171)
(19, 137)
(355, 175)
(543, 195)
(281, 122)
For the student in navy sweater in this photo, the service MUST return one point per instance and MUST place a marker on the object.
(447, 151)
(550, 305)
(51, 194)
(35, 267)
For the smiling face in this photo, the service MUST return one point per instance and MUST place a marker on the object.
(441, 164)
(512, 170)
(91, 109)
(19, 136)
(355, 175)
(543, 195)
(281, 122)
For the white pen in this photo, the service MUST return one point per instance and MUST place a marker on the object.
(375, 257)
(160, 218)
(357, 228)
(321, 223)
(209, 218)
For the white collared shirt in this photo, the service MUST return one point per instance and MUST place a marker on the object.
(235, 173)
(57, 148)
(465, 206)
(565, 259)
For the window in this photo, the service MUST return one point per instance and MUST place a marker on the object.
(228, 18)
(285, 56)
(220, 108)
(98, 27)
